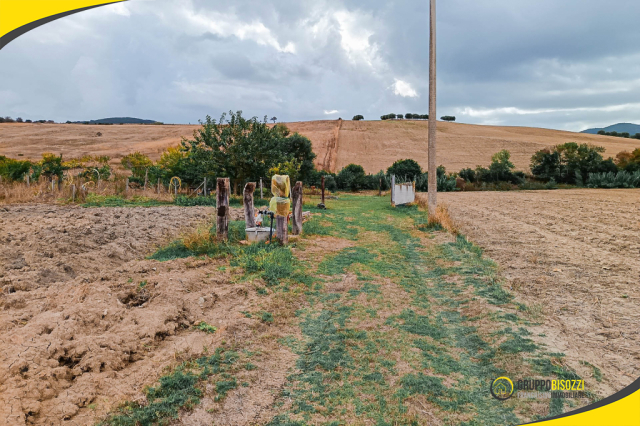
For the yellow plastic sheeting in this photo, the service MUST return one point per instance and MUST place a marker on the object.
(280, 188)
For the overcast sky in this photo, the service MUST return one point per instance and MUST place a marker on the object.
(568, 64)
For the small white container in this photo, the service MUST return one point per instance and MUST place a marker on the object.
(255, 235)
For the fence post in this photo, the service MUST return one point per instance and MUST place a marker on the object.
(222, 205)
(146, 178)
(282, 232)
(296, 205)
(261, 188)
(127, 187)
(28, 182)
(204, 191)
(393, 190)
(380, 188)
(52, 185)
(322, 181)
(249, 211)
(73, 193)
(59, 183)
(158, 185)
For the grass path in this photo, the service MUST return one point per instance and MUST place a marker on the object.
(400, 324)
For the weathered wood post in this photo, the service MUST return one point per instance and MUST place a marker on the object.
(282, 231)
(53, 183)
(296, 207)
(249, 210)
(222, 204)
(261, 188)
(393, 189)
(158, 185)
(127, 187)
(59, 183)
(204, 191)
(146, 178)
(322, 182)
(73, 193)
(380, 188)
(28, 182)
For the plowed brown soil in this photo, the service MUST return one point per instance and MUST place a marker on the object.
(86, 321)
(373, 144)
(574, 258)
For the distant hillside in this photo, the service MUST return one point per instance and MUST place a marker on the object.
(630, 128)
(118, 120)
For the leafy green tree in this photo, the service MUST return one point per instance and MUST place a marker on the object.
(562, 162)
(352, 178)
(405, 169)
(358, 117)
(448, 118)
(13, 170)
(138, 163)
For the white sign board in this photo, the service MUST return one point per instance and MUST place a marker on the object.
(402, 193)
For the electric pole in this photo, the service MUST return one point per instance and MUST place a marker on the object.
(432, 167)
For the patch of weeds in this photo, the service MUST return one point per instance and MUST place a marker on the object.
(142, 285)
(246, 314)
(597, 373)
(266, 317)
(262, 291)
(223, 387)
(203, 326)
(249, 367)
(175, 250)
(420, 325)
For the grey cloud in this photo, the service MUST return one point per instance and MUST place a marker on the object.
(538, 63)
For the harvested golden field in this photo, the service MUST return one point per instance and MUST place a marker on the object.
(572, 257)
(373, 144)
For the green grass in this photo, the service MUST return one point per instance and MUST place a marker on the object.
(203, 326)
(179, 390)
(94, 200)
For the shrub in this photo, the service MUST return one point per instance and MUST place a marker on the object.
(358, 117)
(52, 166)
(351, 178)
(614, 180)
(468, 175)
(407, 170)
(562, 162)
(13, 170)
(448, 118)
(629, 161)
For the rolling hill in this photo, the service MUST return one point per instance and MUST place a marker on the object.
(373, 144)
(630, 128)
(118, 120)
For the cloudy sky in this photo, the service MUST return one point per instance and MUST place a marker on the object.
(568, 64)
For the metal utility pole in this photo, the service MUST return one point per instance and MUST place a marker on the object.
(433, 174)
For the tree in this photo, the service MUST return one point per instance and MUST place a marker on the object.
(405, 169)
(358, 117)
(563, 162)
(602, 132)
(52, 166)
(400, 116)
(448, 118)
(352, 177)
(19, 120)
(274, 119)
(138, 163)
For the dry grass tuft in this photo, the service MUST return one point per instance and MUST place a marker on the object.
(443, 218)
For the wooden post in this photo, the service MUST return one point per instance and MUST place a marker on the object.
(127, 187)
(380, 188)
(393, 189)
(73, 193)
(175, 189)
(222, 204)
(146, 178)
(296, 206)
(261, 188)
(249, 211)
(28, 182)
(98, 184)
(282, 233)
(204, 191)
(53, 182)
(322, 181)
(158, 185)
